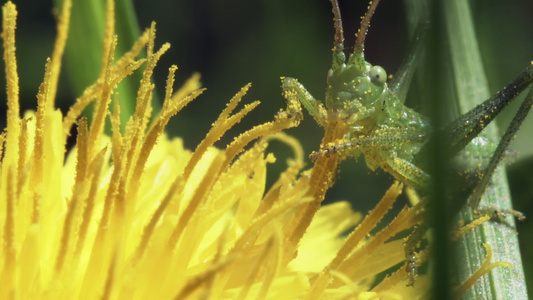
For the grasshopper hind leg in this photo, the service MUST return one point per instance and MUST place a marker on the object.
(402, 78)
(475, 182)
(499, 153)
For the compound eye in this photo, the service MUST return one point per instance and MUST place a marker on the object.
(378, 75)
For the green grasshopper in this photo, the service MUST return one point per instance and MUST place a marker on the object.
(390, 135)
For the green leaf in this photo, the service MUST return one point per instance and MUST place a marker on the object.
(83, 53)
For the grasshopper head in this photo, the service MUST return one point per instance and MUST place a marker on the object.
(354, 86)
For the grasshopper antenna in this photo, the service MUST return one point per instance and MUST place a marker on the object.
(337, 24)
(365, 23)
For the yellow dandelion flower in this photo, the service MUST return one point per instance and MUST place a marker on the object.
(135, 215)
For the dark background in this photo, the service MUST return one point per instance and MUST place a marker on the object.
(235, 42)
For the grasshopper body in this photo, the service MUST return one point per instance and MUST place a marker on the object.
(378, 125)
(375, 122)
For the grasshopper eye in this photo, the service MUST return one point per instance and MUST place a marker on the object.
(378, 75)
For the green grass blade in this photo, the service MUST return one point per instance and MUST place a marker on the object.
(83, 53)
(471, 89)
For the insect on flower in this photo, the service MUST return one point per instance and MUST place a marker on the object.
(390, 135)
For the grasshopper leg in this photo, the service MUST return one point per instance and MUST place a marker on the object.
(412, 175)
(500, 150)
(401, 168)
(389, 138)
(294, 89)
(402, 78)
(469, 125)
(412, 242)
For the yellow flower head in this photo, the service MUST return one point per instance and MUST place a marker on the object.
(136, 216)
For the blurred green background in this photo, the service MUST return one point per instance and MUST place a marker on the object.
(235, 42)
